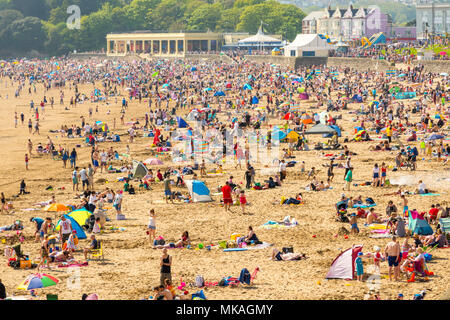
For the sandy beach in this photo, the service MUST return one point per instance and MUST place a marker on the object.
(131, 267)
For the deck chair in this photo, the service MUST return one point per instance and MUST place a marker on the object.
(253, 276)
(52, 297)
(98, 253)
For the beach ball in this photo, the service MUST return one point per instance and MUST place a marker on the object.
(314, 236)
(200, 246)
(345, 237)
(319, 283)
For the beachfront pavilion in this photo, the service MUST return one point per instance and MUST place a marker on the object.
(162, 44)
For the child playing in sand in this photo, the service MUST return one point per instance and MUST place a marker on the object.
(97, 226)
(359, 267)
(152, 226)
(243, 200)
(354, 224)
(377, 257)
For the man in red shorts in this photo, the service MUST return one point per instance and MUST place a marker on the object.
(227, 198)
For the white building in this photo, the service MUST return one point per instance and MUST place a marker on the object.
(432, 19)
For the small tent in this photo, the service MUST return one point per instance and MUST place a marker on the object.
(320, 129)
(80, 216)
(75, 226)
(418, 225)
(139, 170)
(357, 98)
(255, 100)
(336, 128)
(181, 123)
(198, 191)
(343, 267)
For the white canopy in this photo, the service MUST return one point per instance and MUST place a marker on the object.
(310, 42)
(259, 37)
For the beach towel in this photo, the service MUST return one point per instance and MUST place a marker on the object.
(364, 205)
(430, 194)
(72, 264)
(261, 246)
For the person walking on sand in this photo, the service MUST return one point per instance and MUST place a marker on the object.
(227, 197)
(392, 252)
(27, 159)
(348, 179)
(166, 264)
(151, 226)
(75, 181)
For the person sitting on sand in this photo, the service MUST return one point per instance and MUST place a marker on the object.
(251, 237)
(372, 217)
(162, 293)
(270, 184)
(278, 256)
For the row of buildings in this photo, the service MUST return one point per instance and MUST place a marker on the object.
(351, 23)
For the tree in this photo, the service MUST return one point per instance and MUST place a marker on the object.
(205, 17)
(25, 35)
(7, 17)
(34, 8)
(229, 20)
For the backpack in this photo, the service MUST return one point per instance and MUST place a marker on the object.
(199, 282)
(245, 276)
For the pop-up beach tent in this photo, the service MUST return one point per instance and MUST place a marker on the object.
(181, 123)
(418, 225)
(198, 191)
(320, 129)
(343, 267)
(139, 170)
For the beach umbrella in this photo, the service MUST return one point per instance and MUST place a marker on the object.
(434, 136)
(287, 116)
(152, 162)
(165, 85)
(444, 74)
(56, 207)
(401, 75)
(219, 94)
(37, 281)
(247, 87)
(193, 69)
(443, 53)
(207, 89)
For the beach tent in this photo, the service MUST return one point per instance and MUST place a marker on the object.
(405, 95)
(343, 267)
(336, 128)
(247, 87)
(152, 162)
(139, 170)
(75, 226)
(80, 216)
(293, 136)
(198, 191)
(434, 136)
(304, 96)
(278, 135)
(418, 225)
(357, 98)
(255, 100)
(320, 129)
(219, 94)
(181, 123)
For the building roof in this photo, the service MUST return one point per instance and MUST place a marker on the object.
(314, 15)
(258, 38)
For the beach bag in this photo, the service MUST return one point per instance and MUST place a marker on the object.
(199, 282)
(161, 242)
(245, 276)
(370, 201)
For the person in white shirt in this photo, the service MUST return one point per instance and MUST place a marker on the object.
(103, 160)
(282, 170)
(65, 229)
(92, 201)
(422, 188)
(84, 178)
(75, 181)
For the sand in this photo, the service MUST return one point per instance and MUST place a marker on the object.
(131, 268)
